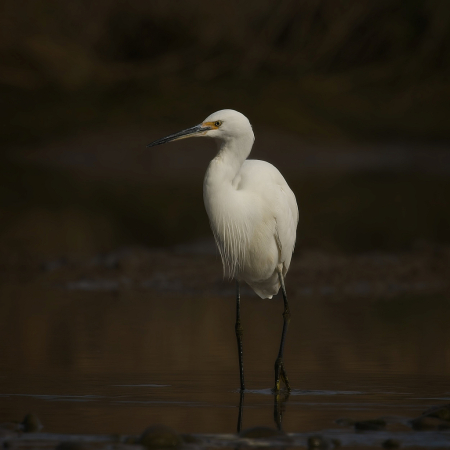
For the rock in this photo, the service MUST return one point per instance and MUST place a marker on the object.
(425, 423)
(440, 412)
(318, 442)
(31, 424)
(260, 433)
(370, 425)
(391, 443)
(435, 418)
(160, 436)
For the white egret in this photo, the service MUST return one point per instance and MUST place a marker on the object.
(253, 215)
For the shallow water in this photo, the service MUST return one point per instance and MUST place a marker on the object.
(116, 361)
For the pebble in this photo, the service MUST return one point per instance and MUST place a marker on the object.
(318, 442)
(440, 412)
(425, 423)
(391, 443)
(31, 424)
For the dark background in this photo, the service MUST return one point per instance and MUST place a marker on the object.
(350, 99)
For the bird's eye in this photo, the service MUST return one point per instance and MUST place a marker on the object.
(218, 123)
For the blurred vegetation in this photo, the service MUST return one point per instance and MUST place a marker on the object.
(317, 67)
(334, 69)
(47, 214)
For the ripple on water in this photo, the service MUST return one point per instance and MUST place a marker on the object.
(269, 391)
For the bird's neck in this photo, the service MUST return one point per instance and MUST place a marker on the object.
(225, 167)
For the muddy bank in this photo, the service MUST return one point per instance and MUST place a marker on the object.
(195, 269)
(388, 432)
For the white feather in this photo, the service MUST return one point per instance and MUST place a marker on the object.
(252, 211)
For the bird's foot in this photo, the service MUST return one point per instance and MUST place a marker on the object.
(280, 376)
(280, 398)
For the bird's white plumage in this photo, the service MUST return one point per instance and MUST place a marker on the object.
(253, 215)
(252, 211)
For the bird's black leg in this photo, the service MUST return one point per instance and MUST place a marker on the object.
(241, 412)
(280, 372)
(239, 333)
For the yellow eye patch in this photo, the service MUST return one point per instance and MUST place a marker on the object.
(213, 125)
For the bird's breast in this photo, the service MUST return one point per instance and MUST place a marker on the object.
(244, 237)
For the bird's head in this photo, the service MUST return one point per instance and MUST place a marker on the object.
(223, 125)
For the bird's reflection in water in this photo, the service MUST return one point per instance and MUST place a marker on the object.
(241, 405)
(279, 407)
(279, 400)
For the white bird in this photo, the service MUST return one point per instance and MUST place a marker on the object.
(253, 215)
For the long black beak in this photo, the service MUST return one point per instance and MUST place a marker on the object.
(198, 130)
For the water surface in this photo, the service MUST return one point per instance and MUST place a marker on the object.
(88, 359)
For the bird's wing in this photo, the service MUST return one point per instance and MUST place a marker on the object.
(278, 204)
(286, 224)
